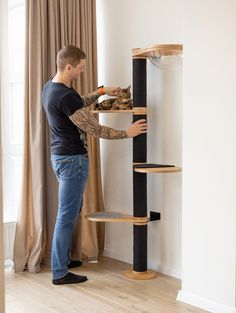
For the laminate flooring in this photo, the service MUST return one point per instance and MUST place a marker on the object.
(106, 291)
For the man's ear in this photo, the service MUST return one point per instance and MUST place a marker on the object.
(68, 67)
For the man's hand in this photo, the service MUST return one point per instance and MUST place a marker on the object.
(112, 91)
(137, 128)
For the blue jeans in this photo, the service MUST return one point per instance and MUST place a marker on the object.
(72, 173)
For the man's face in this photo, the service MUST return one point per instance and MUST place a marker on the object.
(75, 71)
(80, 67)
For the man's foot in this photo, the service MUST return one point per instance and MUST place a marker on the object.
(74, 263)
(70, 278)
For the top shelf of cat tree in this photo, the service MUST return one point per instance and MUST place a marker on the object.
(157, 51)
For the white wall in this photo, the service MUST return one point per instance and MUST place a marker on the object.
(122, 26)
(207, 30)
(209, 155)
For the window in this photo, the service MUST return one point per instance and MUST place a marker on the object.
(13, 107)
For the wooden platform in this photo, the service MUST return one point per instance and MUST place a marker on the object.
(150, 274)
(157, 50)
(158, 170)
(135, 111)
(116, 217)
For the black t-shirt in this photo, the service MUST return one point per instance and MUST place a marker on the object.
(59, 102)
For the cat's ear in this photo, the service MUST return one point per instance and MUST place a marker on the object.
(128, 88)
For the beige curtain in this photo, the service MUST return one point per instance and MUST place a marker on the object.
(50, 25)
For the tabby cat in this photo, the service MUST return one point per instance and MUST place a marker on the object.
(121, 102)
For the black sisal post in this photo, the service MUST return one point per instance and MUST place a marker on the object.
(139, 156)
(140, 248)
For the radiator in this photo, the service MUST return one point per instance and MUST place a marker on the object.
(9, 234)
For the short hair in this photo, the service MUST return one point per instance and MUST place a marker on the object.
(69, 55)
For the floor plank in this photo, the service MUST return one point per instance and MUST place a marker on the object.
(106, 291)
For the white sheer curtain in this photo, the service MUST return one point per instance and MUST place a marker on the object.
(3, 10)
(1, 230)
(1, 238)
(2, 301)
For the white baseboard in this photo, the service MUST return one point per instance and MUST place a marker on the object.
(113, 255)
(202, 303)
(168, 271)
(151, 265)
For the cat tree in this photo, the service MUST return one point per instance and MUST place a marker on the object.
(141, 168)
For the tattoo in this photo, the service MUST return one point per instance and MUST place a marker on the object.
(90, 99)
(86, 122)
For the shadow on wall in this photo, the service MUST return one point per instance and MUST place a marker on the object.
(165, 146)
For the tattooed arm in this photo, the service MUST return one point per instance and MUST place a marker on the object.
(91, 98)
(84, 120)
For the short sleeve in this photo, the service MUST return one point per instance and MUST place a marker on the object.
(70, 103)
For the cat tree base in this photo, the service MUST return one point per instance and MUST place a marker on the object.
(149, 274)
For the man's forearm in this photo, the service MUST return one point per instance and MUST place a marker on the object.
(91, 98)
(86, 121)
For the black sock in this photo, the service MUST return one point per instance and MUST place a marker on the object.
(70, 278)
(74, 263)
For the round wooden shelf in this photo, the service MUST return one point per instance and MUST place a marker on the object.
(135, 111)
(111, 111)
(150, 274)
(159, 170)
(157, 50)
(116, 217)
(155, 168)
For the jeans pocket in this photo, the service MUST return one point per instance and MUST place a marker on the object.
(63, 168)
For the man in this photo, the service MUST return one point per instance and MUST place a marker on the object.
(70, 120)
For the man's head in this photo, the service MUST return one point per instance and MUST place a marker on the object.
(72, 60)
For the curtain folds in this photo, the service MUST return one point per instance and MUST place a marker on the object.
(51, 24)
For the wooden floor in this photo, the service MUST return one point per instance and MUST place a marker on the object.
(106, 291)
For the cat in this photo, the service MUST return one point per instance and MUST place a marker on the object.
(121, 102)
